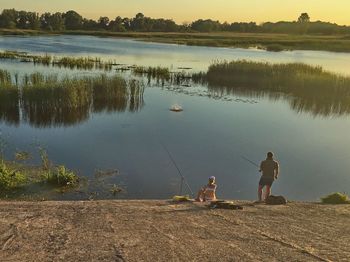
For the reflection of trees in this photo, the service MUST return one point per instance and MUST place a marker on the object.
(67, 102)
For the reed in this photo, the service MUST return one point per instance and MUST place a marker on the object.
(81, 63)
(47, 100)
(293, 78)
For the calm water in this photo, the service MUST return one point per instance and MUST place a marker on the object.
(208, 138)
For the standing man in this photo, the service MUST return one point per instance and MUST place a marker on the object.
(270, 171)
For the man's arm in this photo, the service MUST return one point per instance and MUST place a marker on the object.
(261, 166)
(277, 170)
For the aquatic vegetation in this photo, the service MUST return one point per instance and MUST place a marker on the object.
(46, 100)
(22, 155)
(308, 88)
(61, 176)
(116, 190)
(162, 75)
(10, 179)
(82, 63)
(336, 198)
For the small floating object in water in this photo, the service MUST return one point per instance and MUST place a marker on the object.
(176, 108)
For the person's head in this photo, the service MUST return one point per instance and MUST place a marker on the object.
(212, 180)
(269, 155)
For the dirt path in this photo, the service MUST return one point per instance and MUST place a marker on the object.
(163, 231)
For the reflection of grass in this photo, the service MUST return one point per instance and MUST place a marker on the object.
(336, 198)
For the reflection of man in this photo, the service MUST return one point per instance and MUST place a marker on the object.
(269, 169)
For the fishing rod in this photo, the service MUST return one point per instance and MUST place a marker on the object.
(183, 179)
(250, 161)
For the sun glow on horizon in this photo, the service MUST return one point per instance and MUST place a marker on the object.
(186, 11)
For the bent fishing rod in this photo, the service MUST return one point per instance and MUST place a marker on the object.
(183, 179)
(250, 161)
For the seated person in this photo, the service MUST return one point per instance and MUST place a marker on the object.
(207, 193)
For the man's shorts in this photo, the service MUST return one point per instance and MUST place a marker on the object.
(266, 181)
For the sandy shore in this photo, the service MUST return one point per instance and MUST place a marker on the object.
(164, 231)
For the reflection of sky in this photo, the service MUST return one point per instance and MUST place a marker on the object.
(208, 138)
(126, 51)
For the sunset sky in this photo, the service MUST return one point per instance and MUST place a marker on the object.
(189, 10)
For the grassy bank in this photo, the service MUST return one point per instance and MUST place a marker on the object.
(271, 42)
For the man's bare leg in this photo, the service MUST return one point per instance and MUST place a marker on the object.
(260, 191)
(268, 192)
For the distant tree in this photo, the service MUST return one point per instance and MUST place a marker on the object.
(73, 21)
(304, 18)
(117, 25)
(138, 22)
(8, 18)
(33, 21)
(52, 22)
(206, 25)
(103, 22)
(89, 24)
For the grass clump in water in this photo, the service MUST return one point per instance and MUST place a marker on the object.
(336, 198)
(10, 179)
(61, 176)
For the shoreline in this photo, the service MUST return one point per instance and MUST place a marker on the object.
(160, 230)
(265, 41)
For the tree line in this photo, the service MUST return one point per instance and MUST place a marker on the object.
(71, 20)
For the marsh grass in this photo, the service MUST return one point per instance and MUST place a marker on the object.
(47, 100)
(308, 88)
(162, 75)
(81, 63)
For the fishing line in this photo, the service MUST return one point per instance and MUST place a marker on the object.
(183, 179)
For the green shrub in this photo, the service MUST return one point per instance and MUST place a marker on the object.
(61, 176)
(10, 179)
(336, 198)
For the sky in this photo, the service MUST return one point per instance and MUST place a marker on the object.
(337, 11)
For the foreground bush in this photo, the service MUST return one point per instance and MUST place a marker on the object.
(336, 198)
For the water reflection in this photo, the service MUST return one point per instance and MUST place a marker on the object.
(318, 104)
(68, 102)
(9, 105)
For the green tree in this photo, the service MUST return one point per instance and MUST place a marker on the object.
(8, 18)
(117, 25)
(73, 21)
(304, 18)
(52, 22)
(103, 22)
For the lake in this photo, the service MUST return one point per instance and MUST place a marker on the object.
(212, 136)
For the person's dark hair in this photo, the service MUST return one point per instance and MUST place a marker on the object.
(270, 155)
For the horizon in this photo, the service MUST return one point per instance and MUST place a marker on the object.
(248, 11)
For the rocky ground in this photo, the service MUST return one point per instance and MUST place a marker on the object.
(164, 231)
